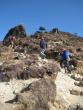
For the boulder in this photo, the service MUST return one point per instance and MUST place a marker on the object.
(75, 107)
(4, 77)
(79, 69)
(76, 92)
(11, 71)
(29, 62)
(45, 88)
(51, 54)
(77, 78)
(52, 68)
(19, 49)
(55, 30)
(38, 94)
(80, 83)
(20, 56)
(34, 72)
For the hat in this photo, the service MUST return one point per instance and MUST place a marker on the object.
(62, 49)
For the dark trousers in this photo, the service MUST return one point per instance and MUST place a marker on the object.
(65, 64)
(42, 54)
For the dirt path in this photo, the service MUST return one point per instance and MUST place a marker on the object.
(7, 89)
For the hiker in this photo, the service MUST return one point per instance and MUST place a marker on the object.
(43, 46)
(12, 40)
(61, 57)
(65, 58)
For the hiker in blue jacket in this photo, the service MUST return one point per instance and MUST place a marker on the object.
(65, 58)
(43, 46)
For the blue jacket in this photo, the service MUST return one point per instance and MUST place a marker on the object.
(43, 44)
(65, 55)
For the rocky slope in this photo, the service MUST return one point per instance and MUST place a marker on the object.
(28, 82)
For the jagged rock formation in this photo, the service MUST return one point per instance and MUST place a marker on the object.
(17, 31)
(55, 30)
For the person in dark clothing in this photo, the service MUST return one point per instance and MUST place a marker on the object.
(43, 43)
(0, 51)
(43, 46)
(61, 57)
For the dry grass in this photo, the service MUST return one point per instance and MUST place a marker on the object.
(79, 69)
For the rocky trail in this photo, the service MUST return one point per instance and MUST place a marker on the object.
(64, 84)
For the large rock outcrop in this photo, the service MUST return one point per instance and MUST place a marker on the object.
(17, 31)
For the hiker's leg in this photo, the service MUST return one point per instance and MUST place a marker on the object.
(44, 53)
(12, 44)
(0, 52)
(61, 63)
(68, 66)
(41, 53)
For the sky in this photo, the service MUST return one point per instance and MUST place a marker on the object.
(67, 15)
